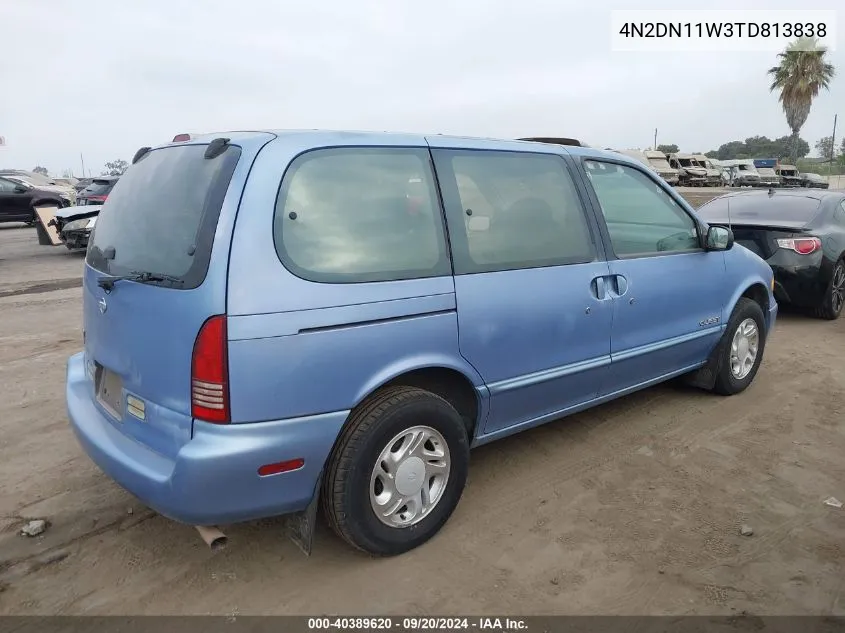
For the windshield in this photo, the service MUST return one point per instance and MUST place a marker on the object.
(162, 214)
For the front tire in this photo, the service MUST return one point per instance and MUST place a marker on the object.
(834, 298)
(397, 472)
(741, 349)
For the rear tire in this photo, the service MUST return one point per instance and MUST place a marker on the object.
(834, 297)
(428, 440)
(741, 348)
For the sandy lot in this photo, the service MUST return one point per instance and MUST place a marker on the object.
(631, 508)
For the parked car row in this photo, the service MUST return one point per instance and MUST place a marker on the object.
(697, 170)
(768, 172)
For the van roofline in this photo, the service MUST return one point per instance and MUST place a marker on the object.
(330, 137)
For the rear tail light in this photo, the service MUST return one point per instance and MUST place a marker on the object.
(210, 373)
(97, 198)
(801, 245)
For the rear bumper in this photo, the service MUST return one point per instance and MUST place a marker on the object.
(801, 286)
(213, 479)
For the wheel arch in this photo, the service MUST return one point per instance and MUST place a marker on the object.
(457, 383)
(753, 289)
(45, 201)
(758, 293)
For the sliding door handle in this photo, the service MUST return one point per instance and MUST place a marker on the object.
(598, 288)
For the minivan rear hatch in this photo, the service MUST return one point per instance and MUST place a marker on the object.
(157, 229)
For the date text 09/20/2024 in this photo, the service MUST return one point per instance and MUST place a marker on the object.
(417, 624)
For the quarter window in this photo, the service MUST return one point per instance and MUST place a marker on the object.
(642, 218)
(509, 210)
(359, 215)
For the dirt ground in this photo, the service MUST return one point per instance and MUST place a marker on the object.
(632, 508)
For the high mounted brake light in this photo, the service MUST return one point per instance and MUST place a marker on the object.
(179, 138)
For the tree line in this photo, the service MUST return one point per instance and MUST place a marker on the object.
(785, 148)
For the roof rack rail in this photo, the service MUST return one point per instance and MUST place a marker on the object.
(554, 140)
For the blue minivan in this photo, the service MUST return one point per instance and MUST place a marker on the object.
(276, 321)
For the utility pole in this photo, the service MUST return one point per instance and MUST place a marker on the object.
(82, 160)
(655, 139)
(832, 146)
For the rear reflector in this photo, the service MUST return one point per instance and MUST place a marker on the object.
(210, 373)
(281, 467)
(801, 245)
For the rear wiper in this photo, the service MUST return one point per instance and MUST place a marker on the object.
(107, 283)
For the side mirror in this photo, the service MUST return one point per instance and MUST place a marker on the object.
(20, 189)
(719, 238)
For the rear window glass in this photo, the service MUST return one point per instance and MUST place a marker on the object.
(361, 214)
(100, 187)
(162, 214)
(745, 208)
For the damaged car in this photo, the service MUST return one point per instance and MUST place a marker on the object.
(789, 175)
(658, 162)
(714, 171)
(740, 173)
(690, 173)
(74, 226)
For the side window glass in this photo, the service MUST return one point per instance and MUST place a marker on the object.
(352, 215)
(512, 210)
(641, 217)
(6, 186)
(840, 213)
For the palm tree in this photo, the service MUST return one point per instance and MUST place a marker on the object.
(800, 75)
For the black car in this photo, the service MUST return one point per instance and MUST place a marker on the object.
(814, 181)
(97, 191)
(800, 233)
(18, 201)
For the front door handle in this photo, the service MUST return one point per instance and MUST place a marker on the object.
(620, 285)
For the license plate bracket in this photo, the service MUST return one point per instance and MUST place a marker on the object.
(109, 389)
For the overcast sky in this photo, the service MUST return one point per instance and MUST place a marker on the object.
(105, 77)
